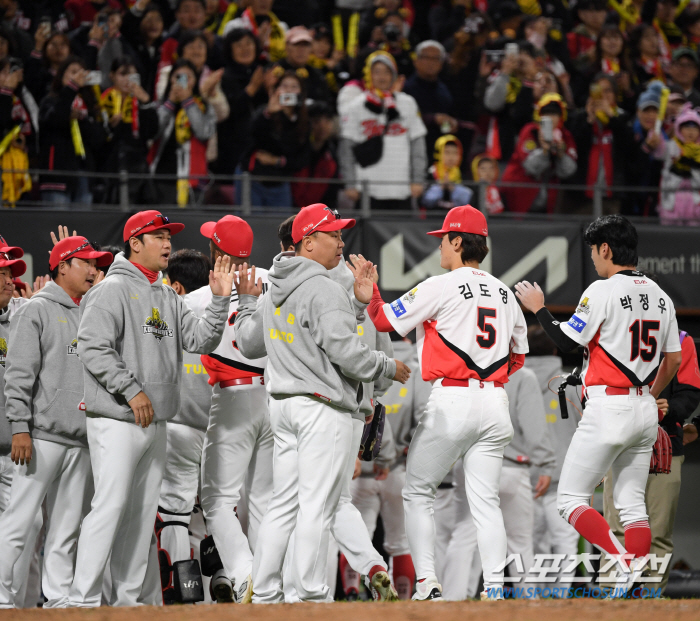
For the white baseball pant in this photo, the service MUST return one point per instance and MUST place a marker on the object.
(178, 491)
(313, 443)
(615, 431)
(127, 465)
(469, 422)
(349, 531)
(444, 516)
(373, 498)
(60, 474)
(552, 535)
(238, 449)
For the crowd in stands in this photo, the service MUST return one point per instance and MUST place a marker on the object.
(407, 100)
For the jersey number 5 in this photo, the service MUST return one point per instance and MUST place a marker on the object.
(643, 336)
(488, 339)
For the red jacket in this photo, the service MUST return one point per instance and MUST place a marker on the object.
(521, 199)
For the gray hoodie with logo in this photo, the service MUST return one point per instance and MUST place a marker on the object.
(44, 377)
(131, 338)
(309, 326)
(5, 315)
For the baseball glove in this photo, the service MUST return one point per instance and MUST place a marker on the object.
(661, 454)
(372, 434)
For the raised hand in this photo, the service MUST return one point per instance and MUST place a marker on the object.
(364, 285)
(245, 283)
(221, 278)
(62, 234)
(531, 297)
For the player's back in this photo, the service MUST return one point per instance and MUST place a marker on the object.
(626, 321)
(470, 321)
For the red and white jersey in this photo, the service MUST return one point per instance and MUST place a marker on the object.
(467, 322)
(226, 362)
(625, 322)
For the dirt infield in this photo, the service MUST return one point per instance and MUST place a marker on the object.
(668, 610)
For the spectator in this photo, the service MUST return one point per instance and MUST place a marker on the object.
(49, 53)
(112, 45)
(299, 41)
(676, 102)
(507, 17)
(689, 23)
(131, 123)
(82, 11)
(387, 124)
(142, 27)
(509, 96)
(648, 63)
(329, 61)
(447, 17)
(190, 15)
(185, 124)
(69, 136)
(641, 148)
(683, 72)
(243, 87)
(16, 131)
(21, 41)
(582, 40)
(446, 190)
(540, 158)
(599, 134)
(19, 108)
(680, 179)
(431, 94)
(264, 24)
(323, 161)
(392, 39)
(485, 170)
(7, 44)
(280, 141)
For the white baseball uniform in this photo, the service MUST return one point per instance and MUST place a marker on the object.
(238, 444)
(625, 322)
(7, 467)
(467, 324)
(552, 535)
(183, 458)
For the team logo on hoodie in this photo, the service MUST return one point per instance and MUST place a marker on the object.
(157, 326)
(3, 351)
(73, 348)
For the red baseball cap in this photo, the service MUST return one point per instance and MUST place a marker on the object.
(318, 217)
(464, 219)
(232, 234)
(10, 257)
(147, 222)
(77, 248)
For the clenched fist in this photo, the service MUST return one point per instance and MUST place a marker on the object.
(402, 372)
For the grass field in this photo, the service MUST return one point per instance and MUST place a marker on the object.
(569, 610)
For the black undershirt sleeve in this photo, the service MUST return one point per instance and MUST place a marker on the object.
(551, 327)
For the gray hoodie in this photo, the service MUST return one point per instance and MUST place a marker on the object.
(310, 335)
(5, 315)
(44, 377)
(530, 444)
(195, 394)
(560, 430)
(376, 341)
(131, 338)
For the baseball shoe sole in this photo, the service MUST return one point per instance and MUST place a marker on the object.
(221, 588)
(244, 594)
(382, 589)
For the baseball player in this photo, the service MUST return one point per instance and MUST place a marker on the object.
(43, 391)
(662, 490)
(359, 557)
(188, 270)
(307, 325)
(12, 266)
(132, 331)
(377, 491)
(552, 535)
(238, 445)
(471, 337)
(530, 447)
(625, 322)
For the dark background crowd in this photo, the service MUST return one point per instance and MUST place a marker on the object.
(415, 102)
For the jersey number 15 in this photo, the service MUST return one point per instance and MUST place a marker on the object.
(641, 335)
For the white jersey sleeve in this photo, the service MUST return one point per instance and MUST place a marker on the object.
(590, 314)
(416, 306)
